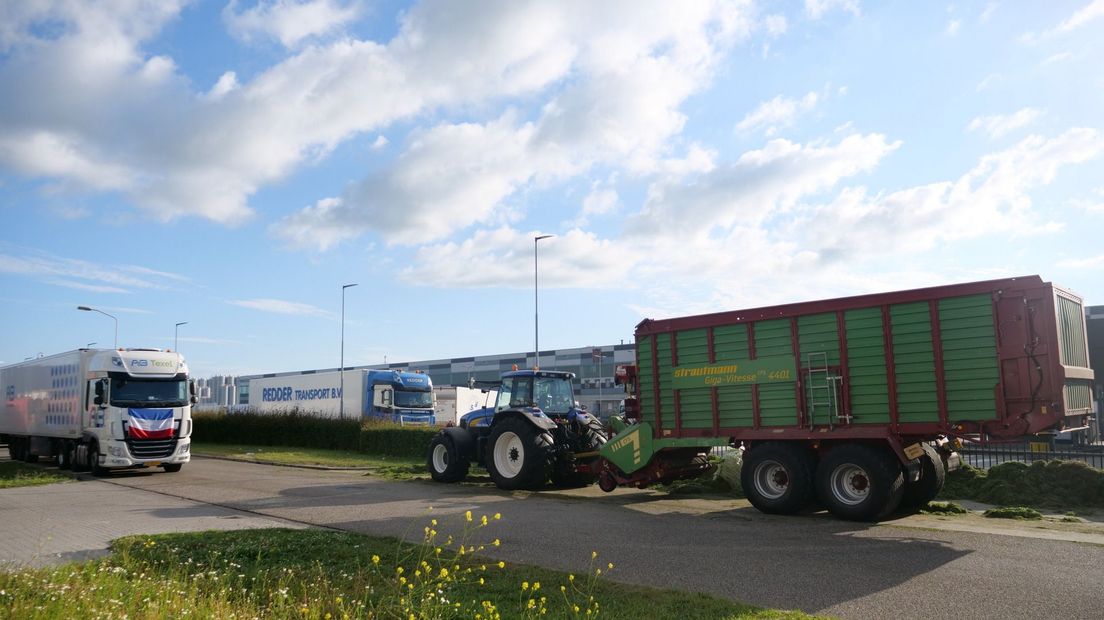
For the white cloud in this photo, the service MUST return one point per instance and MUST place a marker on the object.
(380, 142)
(777, 113)
(775, 25)
(988, 81)
(1092, 11)
(610, 78)
(953, 27)
(290, 21)
(999, 125)
(85, 275)
(491, 259)
(988, 12)
(1056, 58)
(757, 185)
(816, 9)
(280, 306)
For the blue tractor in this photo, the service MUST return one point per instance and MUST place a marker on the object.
(535, 432)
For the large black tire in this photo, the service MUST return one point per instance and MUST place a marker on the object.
(80, 457)
(932, 477)
(26, 451)
(518, 455)
(172, 468)
(94, 460)
(65, 455)
(445, 461)
(777, 477)
(859, 482)
(15, 448)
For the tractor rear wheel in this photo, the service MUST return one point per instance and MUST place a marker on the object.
(518, 455)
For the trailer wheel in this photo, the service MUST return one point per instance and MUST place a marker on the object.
(25, 450)
(172, 468)
(445, 462)
(518, 454)
(778, 477)
(860, 483)
(932, 477)
(15, 448)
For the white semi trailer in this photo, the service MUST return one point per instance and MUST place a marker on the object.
(99, 409)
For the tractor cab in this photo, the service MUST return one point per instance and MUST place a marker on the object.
(549, 391)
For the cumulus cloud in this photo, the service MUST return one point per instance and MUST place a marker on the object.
(619, 70)
(290, 21)
(491, 258)
(280, 306)
(999, 125)
(1090, 12)
(776, 113)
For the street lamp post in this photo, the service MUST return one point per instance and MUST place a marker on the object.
(87, 309)
(536, 307)
(176, 336)
(341, 370)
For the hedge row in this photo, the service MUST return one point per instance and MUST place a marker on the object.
(302, 430)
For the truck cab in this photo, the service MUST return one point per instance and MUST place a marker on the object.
(399, 397)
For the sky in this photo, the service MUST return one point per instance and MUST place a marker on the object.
(232, 164)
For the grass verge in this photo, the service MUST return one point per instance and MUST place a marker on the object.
(316, 574)
(396, 467)
(14, 474)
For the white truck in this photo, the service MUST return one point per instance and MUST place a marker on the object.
(99, 409)
(454, 401)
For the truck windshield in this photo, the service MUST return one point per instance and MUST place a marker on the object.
(149, 393)
(420, 400)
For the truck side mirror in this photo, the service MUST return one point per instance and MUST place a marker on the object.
(192, 392)
(99, 400)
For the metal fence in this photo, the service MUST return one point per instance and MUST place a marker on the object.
(988, 455)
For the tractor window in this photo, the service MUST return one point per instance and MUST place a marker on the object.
(515, 392)
(553, 395)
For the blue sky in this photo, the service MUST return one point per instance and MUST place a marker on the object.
(233, 164)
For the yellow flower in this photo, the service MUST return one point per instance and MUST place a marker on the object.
(593, 554)
(433, 522)
(525, 585)
(399, 570)
(467, 516)
(536, 586)
(328, 616)
(481, 582)
(375, 559)
(444, 572)
(571, 577)
(496, 542)
(498, 516)
(502, 565)
(338, 600)
(483, 520)
(610, 566)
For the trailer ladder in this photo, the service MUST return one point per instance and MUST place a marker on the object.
(823, 390)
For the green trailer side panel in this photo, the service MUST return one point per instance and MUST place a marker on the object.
(818, 333)
(866, 366)
(914, 363)
(666, 392)
(777, 402)
(970, 369)
(730, 342)
(696, 405)
(645, 382)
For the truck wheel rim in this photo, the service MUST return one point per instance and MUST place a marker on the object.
(509, 454)
(850, 484)
(440, 458)
(771, 479)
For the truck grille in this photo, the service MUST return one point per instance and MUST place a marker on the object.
(151, 448)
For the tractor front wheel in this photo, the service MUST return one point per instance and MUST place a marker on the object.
(518, 455)
(445, 462)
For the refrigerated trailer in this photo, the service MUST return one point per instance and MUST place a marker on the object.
(858, 401)
(99, 409)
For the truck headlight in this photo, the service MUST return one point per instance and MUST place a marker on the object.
(186, 448)
(118, 451)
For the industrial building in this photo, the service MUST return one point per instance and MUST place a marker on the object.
(593, 368)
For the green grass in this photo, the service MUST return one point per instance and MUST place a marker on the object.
(1042, 484)
(14, 474)
(943, 508)
(390, 466)
(1013, 512)
(318, 574)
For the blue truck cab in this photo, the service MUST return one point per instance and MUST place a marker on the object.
(399, 396)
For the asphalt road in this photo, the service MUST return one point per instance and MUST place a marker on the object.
(717, 546)
(724, 548)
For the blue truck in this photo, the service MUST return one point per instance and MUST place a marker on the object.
(399, 396)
